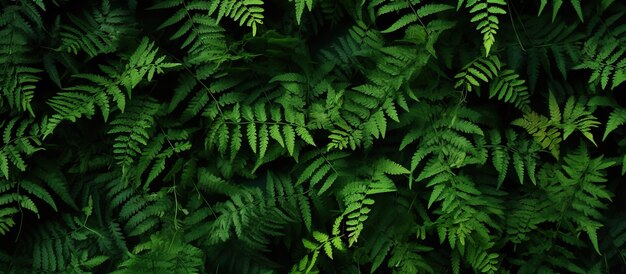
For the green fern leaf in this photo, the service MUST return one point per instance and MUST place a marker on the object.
(235, 141)
(15, 158)
(409, 258)
(4, 164)
(248, 12)
(556, 6)
(263, 140)
(500, 157)
(485, 14)
(39, 192)
(553, 106)
(607, 60)
(484, 68)
(426, 10)
(305, 211)
(290, 138)
(547, 132)
(97, 32)
(390, 167)
(275, 134)
(586, 176)
(509, 88)
(321, 168)
(616, 119)
(252, 136)
(299, 5)
(131, 128)
(357, 204)
(304, 134)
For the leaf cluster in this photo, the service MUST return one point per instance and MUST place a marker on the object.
(251, 136)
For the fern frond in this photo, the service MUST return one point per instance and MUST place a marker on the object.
(607, 60)
(289, 197)
(360, 39)
(547, 132)
(243, 211)
(20, 139)
(519, 152)
(61, 247)
(527, 213)
(299, 8)
(616, 119)
(444, 136)
(139, 212)
(142, 61)
(462, 219)
(576, 116)
(485, 14)
(19, 86)
(323, 243)
(509, 88)
(542, 130)
(245, 12)
(484, 69)
(413, 15)
(227, 132)
(49, 251)
(366, 107)
(159, 149)
(69, 106)
(6, 219)
(357, 203)
(321, 168)
(546, 46)
(20, 25)
(209, 182)
(99, 31)
(480, 259)
(39, 192)
(163, 254)
(255, 216)
(81, 99)
(580, 184)
(556, 6)
(200, 34)
(131, 130)
(407, 258)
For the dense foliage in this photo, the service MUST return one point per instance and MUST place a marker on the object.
(334, 136)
